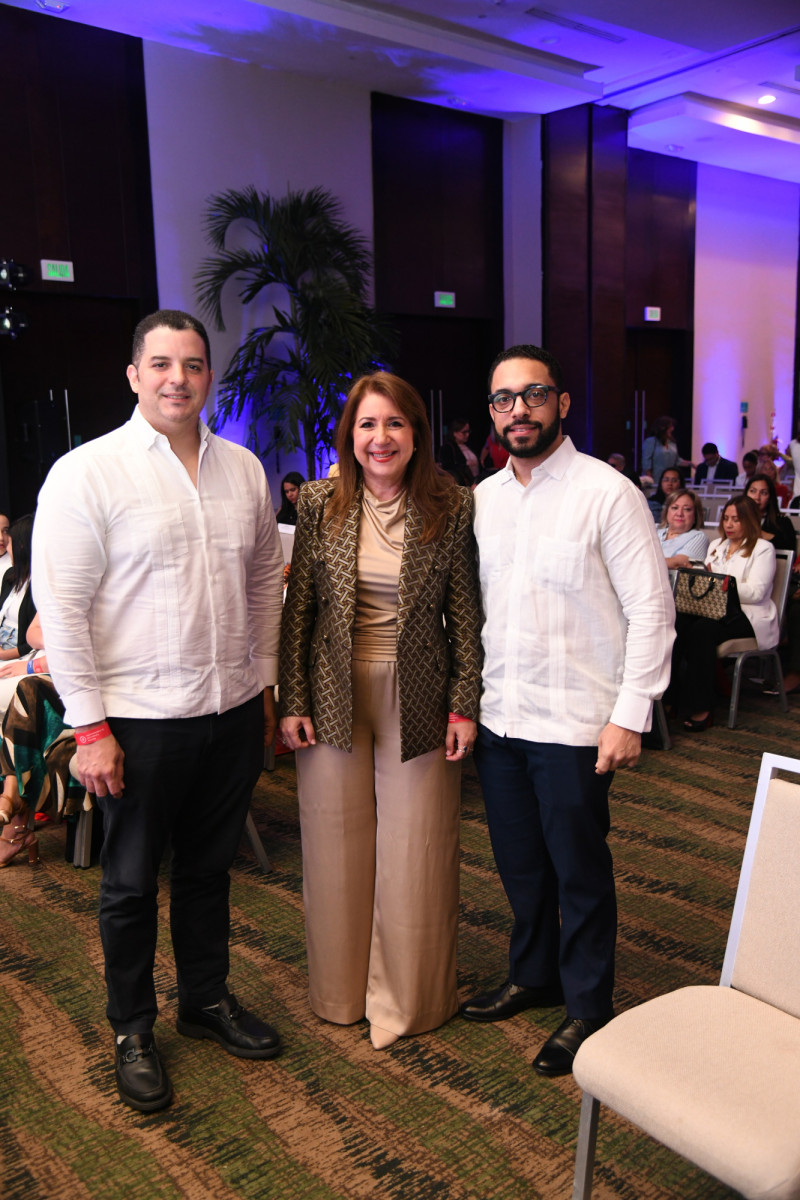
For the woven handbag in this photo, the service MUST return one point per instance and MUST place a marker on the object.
(704, 594)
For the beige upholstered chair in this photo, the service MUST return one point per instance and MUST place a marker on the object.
(714, 1072)
(743, 649)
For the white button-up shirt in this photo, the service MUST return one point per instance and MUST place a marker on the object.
(157, 599)
(579, 618)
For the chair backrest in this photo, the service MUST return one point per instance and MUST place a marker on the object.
(782, 580)
(762, 955)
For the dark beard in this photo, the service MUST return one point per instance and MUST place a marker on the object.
(547, 435)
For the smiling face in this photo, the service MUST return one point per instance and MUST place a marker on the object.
(172, 379)
(383, 443)
(759, 494)
(528, 433)
(4, 538)
(681, 515)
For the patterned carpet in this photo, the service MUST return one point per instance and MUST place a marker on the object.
(454, 1114)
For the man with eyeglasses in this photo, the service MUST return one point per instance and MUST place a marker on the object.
(577, 636)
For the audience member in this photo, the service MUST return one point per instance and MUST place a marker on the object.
(670, 481)
(749, 465)
(774, 525)
(741, 551)
(659, 450)
(17, 608)
(290, 490)
(617, 461)
(457, 458)
(493, 456)
(792, 459)
(158, 572)
(766, 466)
(714, 468)
(577, 634)
(681, 534)
(5, 557)
(381, 635)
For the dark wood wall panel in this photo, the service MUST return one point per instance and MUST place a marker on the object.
(75, 186)
(660, 238)
(438, 212)
(618, 233)
(73, 141)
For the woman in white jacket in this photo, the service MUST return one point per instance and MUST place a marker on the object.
(741, 551)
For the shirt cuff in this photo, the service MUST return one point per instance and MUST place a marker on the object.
(266, 670)
(85, 709)
(632, 711)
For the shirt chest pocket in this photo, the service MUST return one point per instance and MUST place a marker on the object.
(558, 565)
(156, 535)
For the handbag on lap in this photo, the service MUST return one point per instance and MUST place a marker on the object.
(703, 594)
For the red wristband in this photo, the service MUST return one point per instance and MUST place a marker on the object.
(93, 734)
(453, 717)
(38, 666)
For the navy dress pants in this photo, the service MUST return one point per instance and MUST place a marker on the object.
(548, 820)
(188, 782)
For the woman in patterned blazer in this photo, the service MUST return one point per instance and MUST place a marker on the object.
(379, 686)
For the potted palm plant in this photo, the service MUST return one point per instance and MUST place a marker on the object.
(290, 376)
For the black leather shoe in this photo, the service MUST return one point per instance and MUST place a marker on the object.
(236, 1030)
(557, 1054)
(141, 1080)
(509, 999)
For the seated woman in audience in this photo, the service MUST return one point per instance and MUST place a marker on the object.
(741, 551)
(5, 557)
(767, 466)
(290, 490)
(17, 609)
(35, 753)
(11, 670)
(456, 456)
(774, 525)
(670, 480)
(681, 533)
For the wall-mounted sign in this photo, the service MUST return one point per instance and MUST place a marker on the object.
(652, 314)
(57, 271)
(444, 299)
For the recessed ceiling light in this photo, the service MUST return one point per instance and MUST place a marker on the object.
(52, 6)
(767, 98)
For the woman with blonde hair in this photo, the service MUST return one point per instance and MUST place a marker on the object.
(379, 686)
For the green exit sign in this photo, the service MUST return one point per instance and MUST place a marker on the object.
(444, 299)
(57, 271)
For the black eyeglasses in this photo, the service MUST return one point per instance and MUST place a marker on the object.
(533, 396)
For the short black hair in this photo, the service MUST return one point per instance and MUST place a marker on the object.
(167, 318)
(709, 448)
(751, 456)
(538, 355)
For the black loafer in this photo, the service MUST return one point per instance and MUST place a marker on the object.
(236, 1030)
(557, 1054)
(141, 1080)
(509, 999)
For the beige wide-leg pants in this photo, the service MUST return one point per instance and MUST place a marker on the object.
(380, 869)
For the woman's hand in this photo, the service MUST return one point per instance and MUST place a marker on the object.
(678, 560)
(460, 740)
(298, 732)
(20, 667)
(7, 655)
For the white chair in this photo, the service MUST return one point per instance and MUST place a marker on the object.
(714, 1072)
(743, 649)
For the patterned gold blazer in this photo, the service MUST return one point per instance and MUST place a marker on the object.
(438, 624)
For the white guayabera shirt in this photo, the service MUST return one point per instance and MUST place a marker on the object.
(157, 599)
(579, 618)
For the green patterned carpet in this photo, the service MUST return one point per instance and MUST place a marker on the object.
(455, 1113)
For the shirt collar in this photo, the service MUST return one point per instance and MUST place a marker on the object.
(556, 464)
(148, 436)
